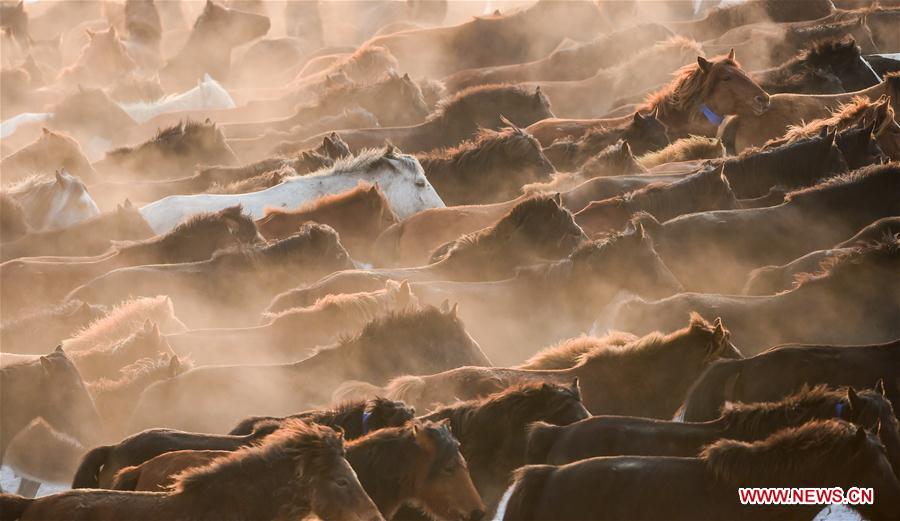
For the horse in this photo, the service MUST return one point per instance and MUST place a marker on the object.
(744, 131)
(13, 222)
(29, 283)
(489, 168)
(792, 457)
(51, 388)
(418, 341)
(53, 202)
(720, 19)
(633, 436)
(600, 368)
(763, 232)
(215, 33)
(684, 149)
(51, 151)
(535, 230)
(232, 282)
(40, 454)
(394, 100)
(289, 335)
(121, 322)
(572, 63)
(399, 176)
(492, 430)
(703, 191)
(833, 59)
(563, 297)
(519, 37)
(855, 287)
(46, 326)
(207, 95)
(359, 215)
(357, 418)
(644, 70)
(644, 134)
(102, 61)
(614, 160)
(457, 118)
(302, 464)
(174, 149)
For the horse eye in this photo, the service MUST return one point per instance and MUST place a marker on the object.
(726, 78)
(341, 482)
(420, 183)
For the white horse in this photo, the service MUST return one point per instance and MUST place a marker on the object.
(400, 177)
(53, 202)
(208, 94)
(9, 126)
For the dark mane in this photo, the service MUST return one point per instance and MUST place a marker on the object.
(505, 225)
(298, 245)
(172, 138)
(474, 153)
(885, 253)
(754, 417)
(793, 455)
(456, 106)
(683, 92)
(874, 178)
(295, 440)
(197, 225)
(385, 327)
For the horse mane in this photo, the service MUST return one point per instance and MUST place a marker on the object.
(366, 159)
(362, 306)
(882, 253)
(171, 137)
(386, 326)
(294, 439)
(793, 454)
(359, 191)
(196, 225)
(474, 155)
(684, 91)
(281, 250)
(122, 321)
(68, 308)
(363, 60)
(684, 149)
(859, 109)
(34, 183)
(139, 372)
(828, 50)
(255, 183)
(887, 175)
(513, 219)
(752, 417)
(569, 353)
(455, 107)
(653, 198)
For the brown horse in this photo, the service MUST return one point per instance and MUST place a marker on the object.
(215, 33)
(489, 168)
(47, 326)
(694, 103)
(290, 334)
(234, 283)
(830, 66)
(643, 134)
(176, 149)
(571, 63)
(90, 237)
(785, 110)
(614, 160)
(50, 152)
(293, 141)
(456, 119)
(359, 215)
(684, 149)
(299, 470)
(124, 320)
(41, 454)
(826, 454)
(102, 61)
(50, 388)
(632, 436)
(705, 190)
(413, 342)
(535, 230)
(719, 20)
(28, 282)
(356, 418)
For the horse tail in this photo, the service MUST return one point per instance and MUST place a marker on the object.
(540, 438)
(714, 387)
(12, 506)
(386, 249)
(88, 473)
(527, 486)
(126, 479)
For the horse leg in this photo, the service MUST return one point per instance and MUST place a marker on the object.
(28, 488)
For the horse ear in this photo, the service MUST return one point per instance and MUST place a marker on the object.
(823, 131)
(59, 177)
(112, 31)
(451, 311)
(830, 137)
(704, 64)
(538, 95)
(720, 336)
(576, 388)
(879, 386)
(90, 33)
(445, 306)
(638, 117)
(855, 402)
(406, 76)
(731, 54)
(655, 113)
(128, 203)
(59, 349)
(860, 438)
(626, 148)
(174, 366)
(497, 12)
(45, 131)
(557, 198)
(404, 293)
(46, 365)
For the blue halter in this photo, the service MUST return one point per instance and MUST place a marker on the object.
(711, 116)
(365, 422)
(839, 409)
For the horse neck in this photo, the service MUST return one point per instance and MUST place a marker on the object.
(386, 470)
(682, 122)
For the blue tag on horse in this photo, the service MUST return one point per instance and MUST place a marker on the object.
(711, 116)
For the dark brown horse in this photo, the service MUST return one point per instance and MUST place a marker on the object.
(359, 215)
(412, 342)
(299, 470)
(825, 454)
(234, 283)
(492, 430)
(719, 20)
(633, 436)
(491, 167)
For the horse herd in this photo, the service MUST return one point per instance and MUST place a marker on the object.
(385, 259)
